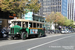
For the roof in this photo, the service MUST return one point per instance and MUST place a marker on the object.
(27, 20)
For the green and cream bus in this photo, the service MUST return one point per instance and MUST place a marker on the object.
(25, 28)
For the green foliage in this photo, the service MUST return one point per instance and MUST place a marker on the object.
(34, 5)
(68, 22)
(18, 6)
(55, 17)
(59, 19)
(73, 26)
(50, 18)
(13, 6)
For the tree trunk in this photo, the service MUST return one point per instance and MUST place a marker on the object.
(50, 25)
(55, 25)
(19, 15)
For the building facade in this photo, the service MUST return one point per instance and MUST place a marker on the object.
(71, 9)
(66, 7)
(74, 10)
(53, 5)
(74, 14)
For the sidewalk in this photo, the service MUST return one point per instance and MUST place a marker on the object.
(52, 34)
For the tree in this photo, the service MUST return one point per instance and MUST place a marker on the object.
(59, 18)
(34, 5)
(13, 6)
(50, 18)
(18, 6)
(68, 22)
(71, 23)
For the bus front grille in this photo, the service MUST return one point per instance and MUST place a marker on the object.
(12, 30)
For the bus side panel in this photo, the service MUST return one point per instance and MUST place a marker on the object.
(41, 31)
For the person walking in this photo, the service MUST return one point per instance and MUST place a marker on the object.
(60, 28)
(4, 31)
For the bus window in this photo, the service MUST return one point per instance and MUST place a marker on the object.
(30, 24)
(26, 24)
(23, 25)
(34, 25)
(14, 22)
(40, 25)
(19, 23)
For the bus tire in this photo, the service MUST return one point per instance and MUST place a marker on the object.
(23, 35)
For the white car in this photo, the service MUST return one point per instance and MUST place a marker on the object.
(64, 31)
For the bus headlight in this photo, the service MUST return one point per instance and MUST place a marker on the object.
(17, 33)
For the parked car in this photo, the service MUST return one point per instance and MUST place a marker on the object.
(53, 31)
(65, 31)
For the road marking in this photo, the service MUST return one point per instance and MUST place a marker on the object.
(48, 42)
(20, 41)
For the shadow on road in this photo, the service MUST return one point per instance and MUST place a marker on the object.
(1, 39)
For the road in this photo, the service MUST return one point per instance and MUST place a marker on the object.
(51, 42)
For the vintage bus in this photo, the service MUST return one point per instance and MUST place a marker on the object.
(25, 28)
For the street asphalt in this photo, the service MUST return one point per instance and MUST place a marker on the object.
(50, 42)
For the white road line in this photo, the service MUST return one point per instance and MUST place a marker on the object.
(48, 42)
(20, 41)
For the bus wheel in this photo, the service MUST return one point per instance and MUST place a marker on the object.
(39, 35)
(23, 36)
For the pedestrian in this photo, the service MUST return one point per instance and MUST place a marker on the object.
(60, 28)
(8, 29)
(5, 31)
(5, 28)
(44, 28)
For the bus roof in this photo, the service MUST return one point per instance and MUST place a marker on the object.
(27, 21)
